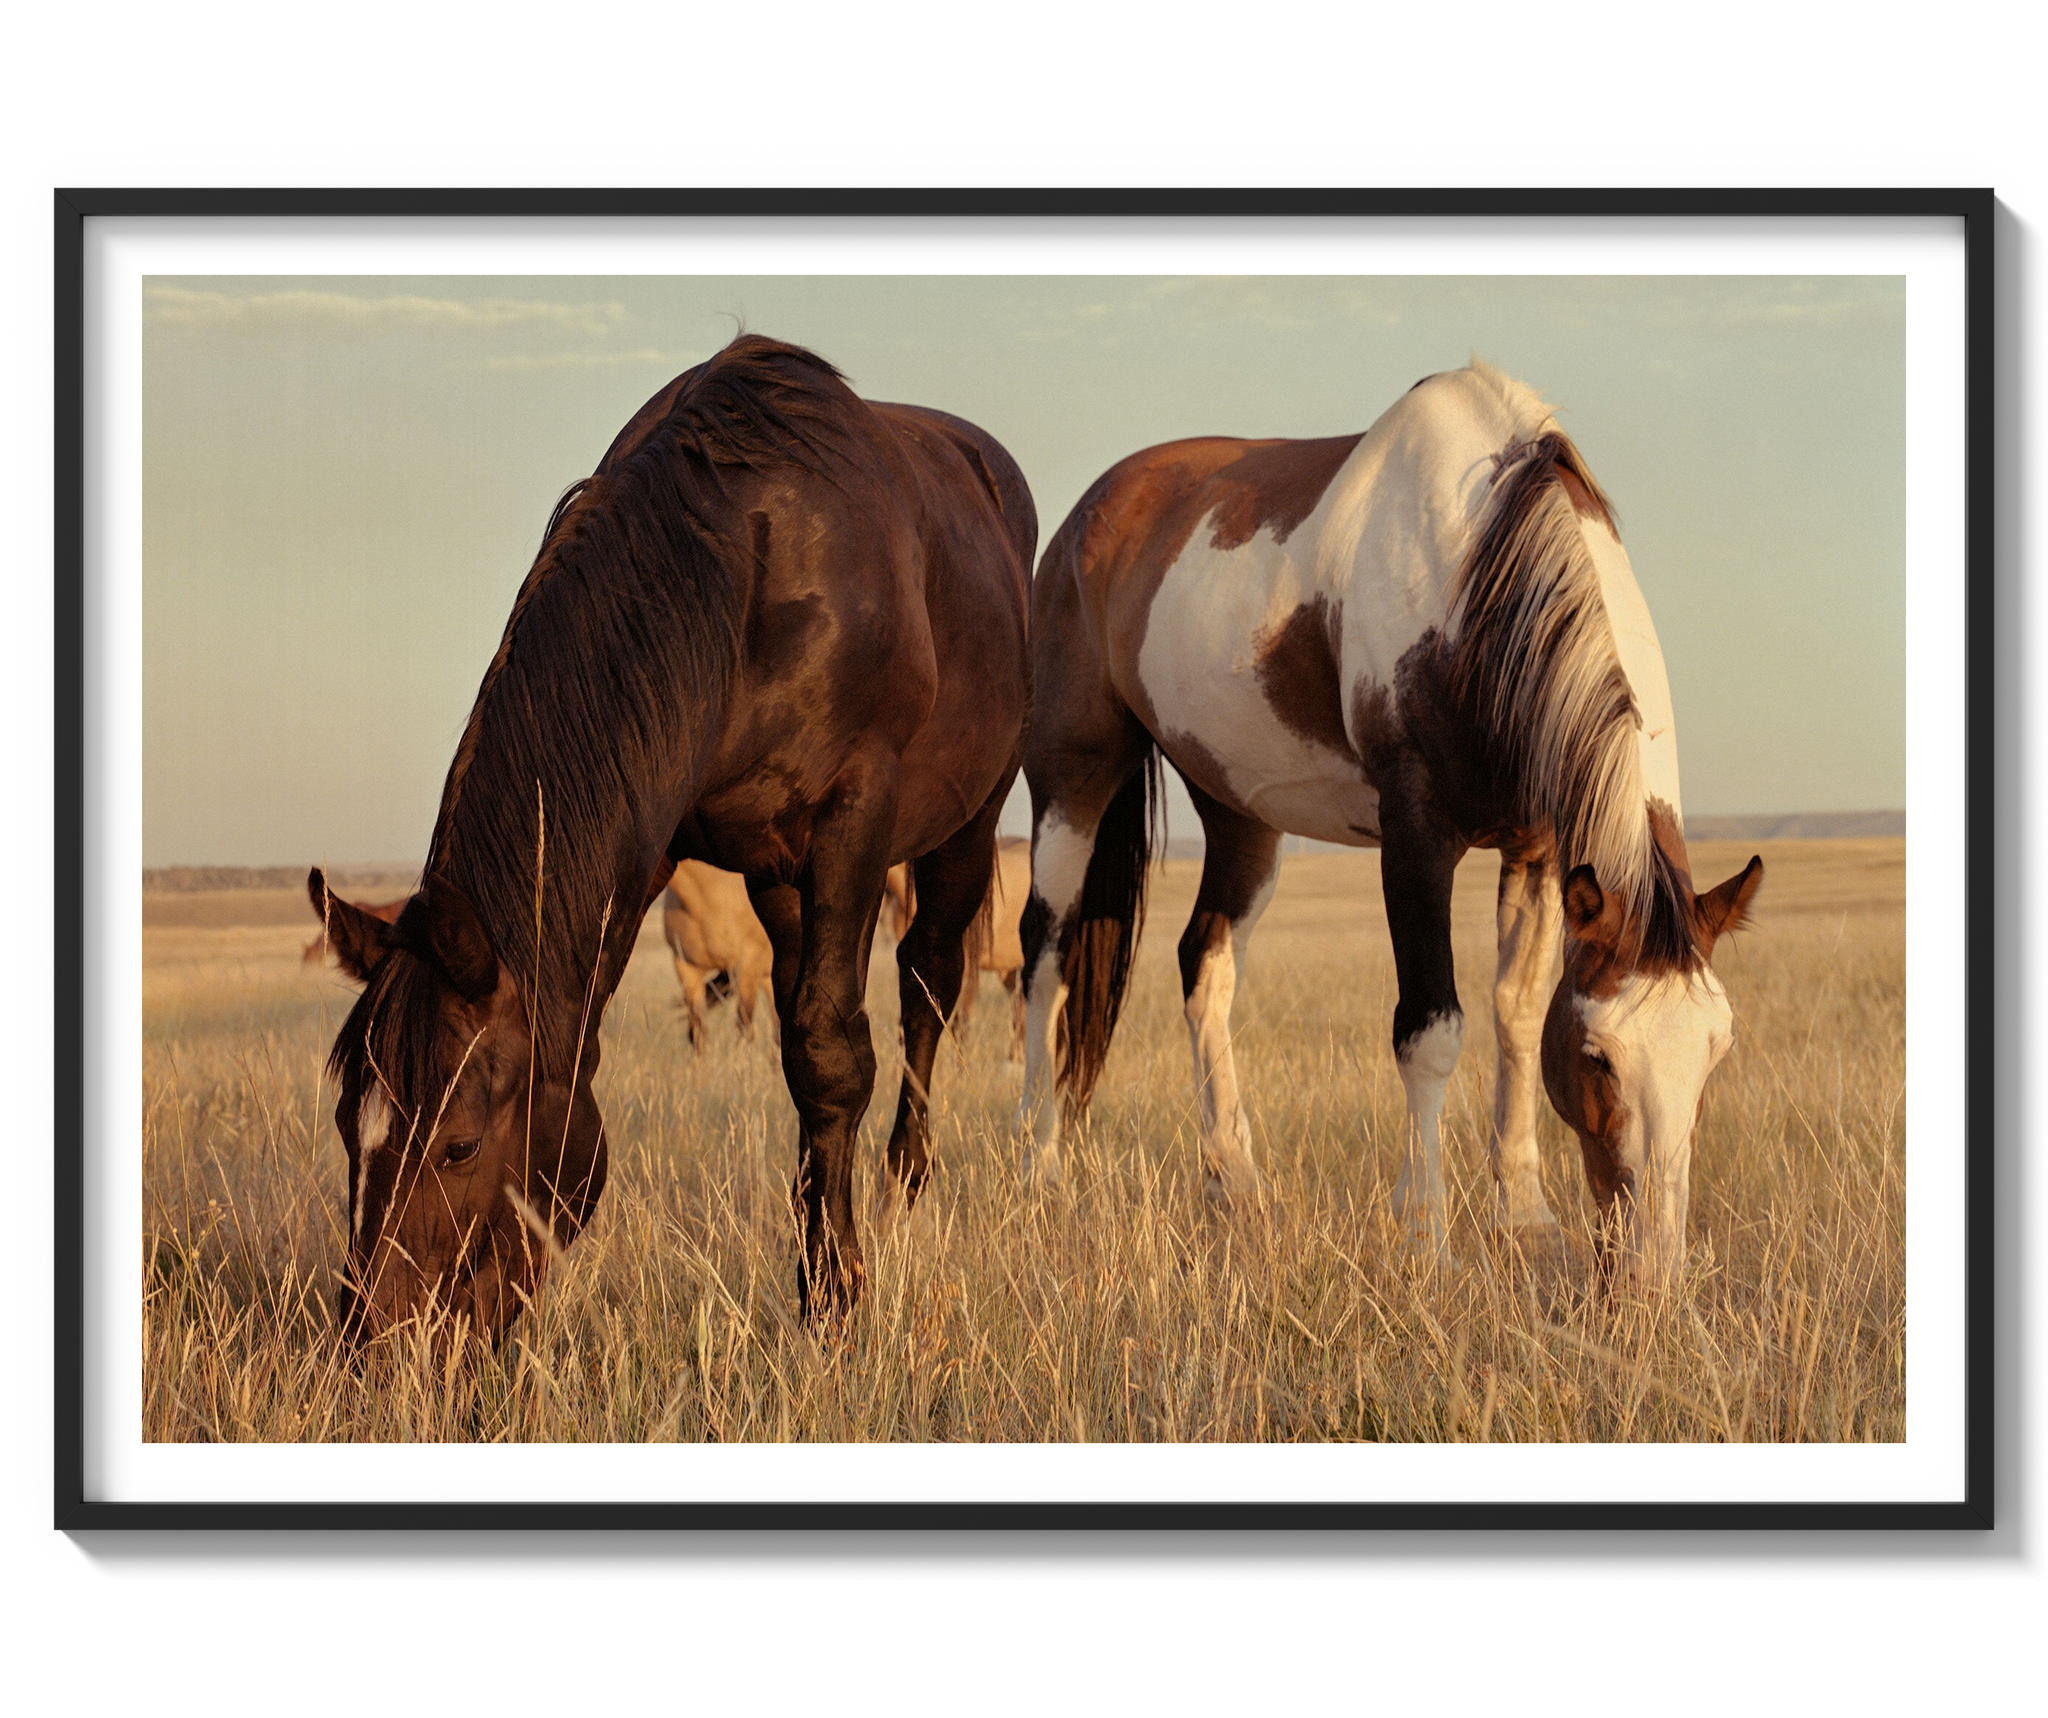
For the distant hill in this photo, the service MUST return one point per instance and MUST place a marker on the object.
(1797, 826)
(394, 879)
(199, 879)
(1753, 826)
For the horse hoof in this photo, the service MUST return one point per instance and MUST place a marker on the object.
(893, 1209)
(1518, 1204)
(887, 1208)
(1539, 1235)
(1425, 1244)
(1236, 1193)
(1040, 1171)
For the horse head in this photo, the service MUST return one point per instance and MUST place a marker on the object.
(1627, 1047)
(469, 1161)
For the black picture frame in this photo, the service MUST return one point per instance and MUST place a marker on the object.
(75, 209)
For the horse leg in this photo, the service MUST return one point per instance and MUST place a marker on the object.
(693, 1000)
(970, 985)
(1240, 866)
(931, 963)
(1064, 824)
(1528, 915)
(1418, 861)
(780, 909)
(779, 906)
(1013, 982)
(828, 1048)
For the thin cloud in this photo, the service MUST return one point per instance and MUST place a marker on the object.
(191, 307)
(1197, 304)
(1829, 314)
(586, 360)
(1737, 305)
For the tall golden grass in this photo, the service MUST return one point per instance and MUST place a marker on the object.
(1119, 1307)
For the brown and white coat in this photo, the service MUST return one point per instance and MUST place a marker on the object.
(1423, 638)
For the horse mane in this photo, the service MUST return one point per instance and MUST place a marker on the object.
(607, 687)
(1535, 667)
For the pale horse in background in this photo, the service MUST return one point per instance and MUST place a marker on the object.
(719, 945)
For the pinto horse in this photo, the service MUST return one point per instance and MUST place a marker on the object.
(1423, 638)
(780, 630)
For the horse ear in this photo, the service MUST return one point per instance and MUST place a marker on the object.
(1725, 907)
(1590, 914)
(360, 940)
(453, 938)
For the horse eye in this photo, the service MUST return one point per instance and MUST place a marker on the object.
(460, 1150)
(1595, 1059)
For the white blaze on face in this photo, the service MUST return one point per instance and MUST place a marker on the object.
(373, 1127)
(1663, 1037)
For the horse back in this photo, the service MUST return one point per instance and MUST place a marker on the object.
(939, 437)
(1278, 615)
(979, 533)
(887, 613)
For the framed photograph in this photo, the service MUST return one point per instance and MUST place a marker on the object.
(759, 859)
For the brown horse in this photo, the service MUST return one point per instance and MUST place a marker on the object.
(780, 630)
(994, 944)
(712, 931)
(1424, 638)
(388, 911)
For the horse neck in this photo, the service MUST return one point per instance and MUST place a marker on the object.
(565, 921)
(606, 697)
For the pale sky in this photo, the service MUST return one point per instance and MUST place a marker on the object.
(345, 480)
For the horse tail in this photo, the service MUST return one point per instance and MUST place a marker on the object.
(1102, 938)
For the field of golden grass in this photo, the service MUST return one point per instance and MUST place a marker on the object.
(1118, 1307)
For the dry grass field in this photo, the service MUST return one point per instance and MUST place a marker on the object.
(1117, 1308)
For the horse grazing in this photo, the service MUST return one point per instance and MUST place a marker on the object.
(780, 630)
(712, 931)
(995, 941)
(1424, 638)
(388, 911)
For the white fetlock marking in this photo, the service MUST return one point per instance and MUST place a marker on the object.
(1037, 1125)
(1226, 1134)
(1226, 1130)
(1426, 1062)
(1529, 915)
(1059, 867)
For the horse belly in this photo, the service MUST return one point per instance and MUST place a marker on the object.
(1242, 684)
